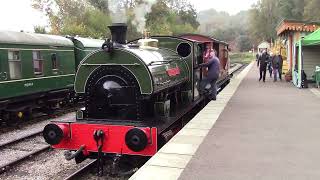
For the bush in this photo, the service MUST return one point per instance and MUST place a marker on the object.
(243, 58)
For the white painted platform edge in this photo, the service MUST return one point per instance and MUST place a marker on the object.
(172, 158)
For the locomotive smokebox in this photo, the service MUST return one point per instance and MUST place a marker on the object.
(118, 32)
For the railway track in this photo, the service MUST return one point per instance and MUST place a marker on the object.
(18, 150)
(17, 145)
(81, 171)
(10, 142)
(235, 68)
(36, 118)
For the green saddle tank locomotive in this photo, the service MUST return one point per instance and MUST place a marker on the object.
(136, 95)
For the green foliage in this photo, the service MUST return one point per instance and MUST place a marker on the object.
(242, 58)
(90, 18)
(291, 9)
(40, 29)
(96, 23)
(172, 19)
(93, 24)
(244, 43)
(179, 29)
(312, 10)
(100, 4)
(228, 28)
(266, 14)
(264, 18)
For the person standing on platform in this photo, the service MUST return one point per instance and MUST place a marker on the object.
(277, 65)
(270, 64)
(210, 82)
(262, 64)
(257, 56)
(280, 66)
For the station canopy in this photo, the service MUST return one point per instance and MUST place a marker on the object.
(312, 39)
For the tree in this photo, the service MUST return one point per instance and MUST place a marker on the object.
(100, 4)
(264, 18)
(74, 17)
(90, 18)
(189, 16)
(244, 43)
(291, 9)
(40, 29)
(67, 11)
(311, 10)
(157, 19)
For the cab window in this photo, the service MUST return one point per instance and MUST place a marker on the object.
(226, 53)
(200, 53)
(37, 63)
(14, 64)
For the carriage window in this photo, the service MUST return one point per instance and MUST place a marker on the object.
(37, 63)
(54, 61)
(14, 64)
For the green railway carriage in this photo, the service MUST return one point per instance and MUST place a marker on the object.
(35, 69)
(84, 46)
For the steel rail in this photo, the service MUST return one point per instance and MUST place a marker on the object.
(76, 174)
(17, 140)
(9, 165)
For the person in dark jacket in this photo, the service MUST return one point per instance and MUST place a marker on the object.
(270, 64)
(262, 64)
(257, 56)
(275, 66)
(209, 82)
(280, 66)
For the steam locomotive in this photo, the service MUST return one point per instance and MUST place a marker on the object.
(135, 94)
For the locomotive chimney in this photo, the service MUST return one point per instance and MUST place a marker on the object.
(118, 32)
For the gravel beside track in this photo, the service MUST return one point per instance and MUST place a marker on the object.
(18, 152)
(32, 128)
(50, 165)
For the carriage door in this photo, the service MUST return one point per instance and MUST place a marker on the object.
(2, 75)
(197, 71)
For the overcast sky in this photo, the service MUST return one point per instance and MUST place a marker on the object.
(18, 15)
(230, 6)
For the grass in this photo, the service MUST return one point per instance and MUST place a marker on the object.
(243, 58)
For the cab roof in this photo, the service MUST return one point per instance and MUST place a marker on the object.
(202, 38)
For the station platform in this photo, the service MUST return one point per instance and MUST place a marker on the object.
(254, 130)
